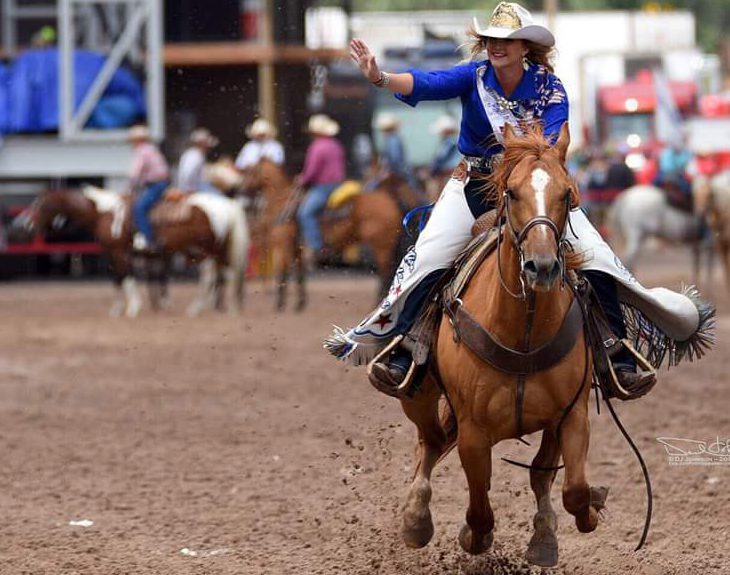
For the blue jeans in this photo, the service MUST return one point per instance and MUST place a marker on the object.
(142, 206)
(313, 205)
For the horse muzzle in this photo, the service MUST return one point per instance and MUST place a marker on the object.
(541, 272)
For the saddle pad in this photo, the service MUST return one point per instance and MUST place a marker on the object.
(343, 194)
(170, 213)
(470, 259)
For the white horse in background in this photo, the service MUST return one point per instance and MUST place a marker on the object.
(642, 212)
(712, 199)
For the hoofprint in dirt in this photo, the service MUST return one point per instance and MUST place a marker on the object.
(224, 445)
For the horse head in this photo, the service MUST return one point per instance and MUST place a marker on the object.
(50, 211)
(536, 194)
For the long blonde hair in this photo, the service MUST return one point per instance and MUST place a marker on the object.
(537, 53)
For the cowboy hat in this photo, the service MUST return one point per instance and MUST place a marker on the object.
(323, 125)
(261, 127)
(138, 133)
(511, 21)
(387, 122)
(445, 124)
(202, 136)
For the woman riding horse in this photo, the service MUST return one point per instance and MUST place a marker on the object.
(515, 85)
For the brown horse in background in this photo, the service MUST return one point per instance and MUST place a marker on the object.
(106, 215)
(525, 275)
(374, 220)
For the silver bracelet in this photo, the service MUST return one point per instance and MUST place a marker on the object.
(383, 81)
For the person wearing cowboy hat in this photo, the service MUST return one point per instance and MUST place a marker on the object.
(324, 170)
(515, 83)
(393, 155)
(447, 155)
(190, 171)
(262, 144)
(149, 177)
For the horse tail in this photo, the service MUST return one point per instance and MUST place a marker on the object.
(239, 240)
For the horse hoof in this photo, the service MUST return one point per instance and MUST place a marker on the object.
(543, 547)
(598, 497)
(474, 546)
(417, 529)
(542, 554)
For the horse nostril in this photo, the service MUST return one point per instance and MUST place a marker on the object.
(555, 271)
(530, 267)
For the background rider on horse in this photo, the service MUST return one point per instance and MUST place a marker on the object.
(149, 177)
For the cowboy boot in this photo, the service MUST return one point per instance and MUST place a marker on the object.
(386, 376)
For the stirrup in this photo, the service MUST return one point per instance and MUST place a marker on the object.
(390, 388)
(615, 389)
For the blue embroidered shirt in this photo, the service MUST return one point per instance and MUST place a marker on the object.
(539, 95)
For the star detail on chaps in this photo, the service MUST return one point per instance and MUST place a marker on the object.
(383, 320)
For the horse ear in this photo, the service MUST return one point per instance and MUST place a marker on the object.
(563, 141)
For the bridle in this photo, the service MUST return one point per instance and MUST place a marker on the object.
(519, 236)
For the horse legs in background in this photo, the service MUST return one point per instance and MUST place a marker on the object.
(543, 547)
(206, 288)
(128, 300)
(156, 267)
(579, 499)
(301, 270)
(475, 452)
(634, 240)
(417, 527)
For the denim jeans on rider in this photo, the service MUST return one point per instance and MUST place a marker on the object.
(142, 206)
(312, 206)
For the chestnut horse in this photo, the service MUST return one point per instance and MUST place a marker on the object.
(214, 227)
(374, 221)
(536, 194)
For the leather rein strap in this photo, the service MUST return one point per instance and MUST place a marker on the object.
(487, 348)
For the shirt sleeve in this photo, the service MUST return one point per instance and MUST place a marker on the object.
(275, 152)
(312, 164)
(136, 171)
(188, 173)
(556, 113)
(440, 85)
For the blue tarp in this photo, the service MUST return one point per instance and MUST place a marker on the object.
(29, 93)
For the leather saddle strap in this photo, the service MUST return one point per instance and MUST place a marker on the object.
(485, 346)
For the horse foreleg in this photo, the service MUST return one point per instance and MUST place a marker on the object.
(132, 296)
(543, 547)
(301, 279)
(579, 499)
(219, 288)
(475, 452)
(206, 283)
(118, 304)
(724, 248)
(634, 238)
(417, 527)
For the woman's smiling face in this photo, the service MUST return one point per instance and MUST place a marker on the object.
(505, 53)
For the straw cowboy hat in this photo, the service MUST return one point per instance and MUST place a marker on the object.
(387, 122)
(323, 125)
(445, 124)
(511, 21)
(139, 133)
(203, 137)
(261, 127)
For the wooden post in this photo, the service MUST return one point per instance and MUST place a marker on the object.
(266, 77)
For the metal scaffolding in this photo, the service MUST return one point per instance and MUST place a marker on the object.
(127, 32)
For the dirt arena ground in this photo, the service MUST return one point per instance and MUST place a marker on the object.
(222, 445)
